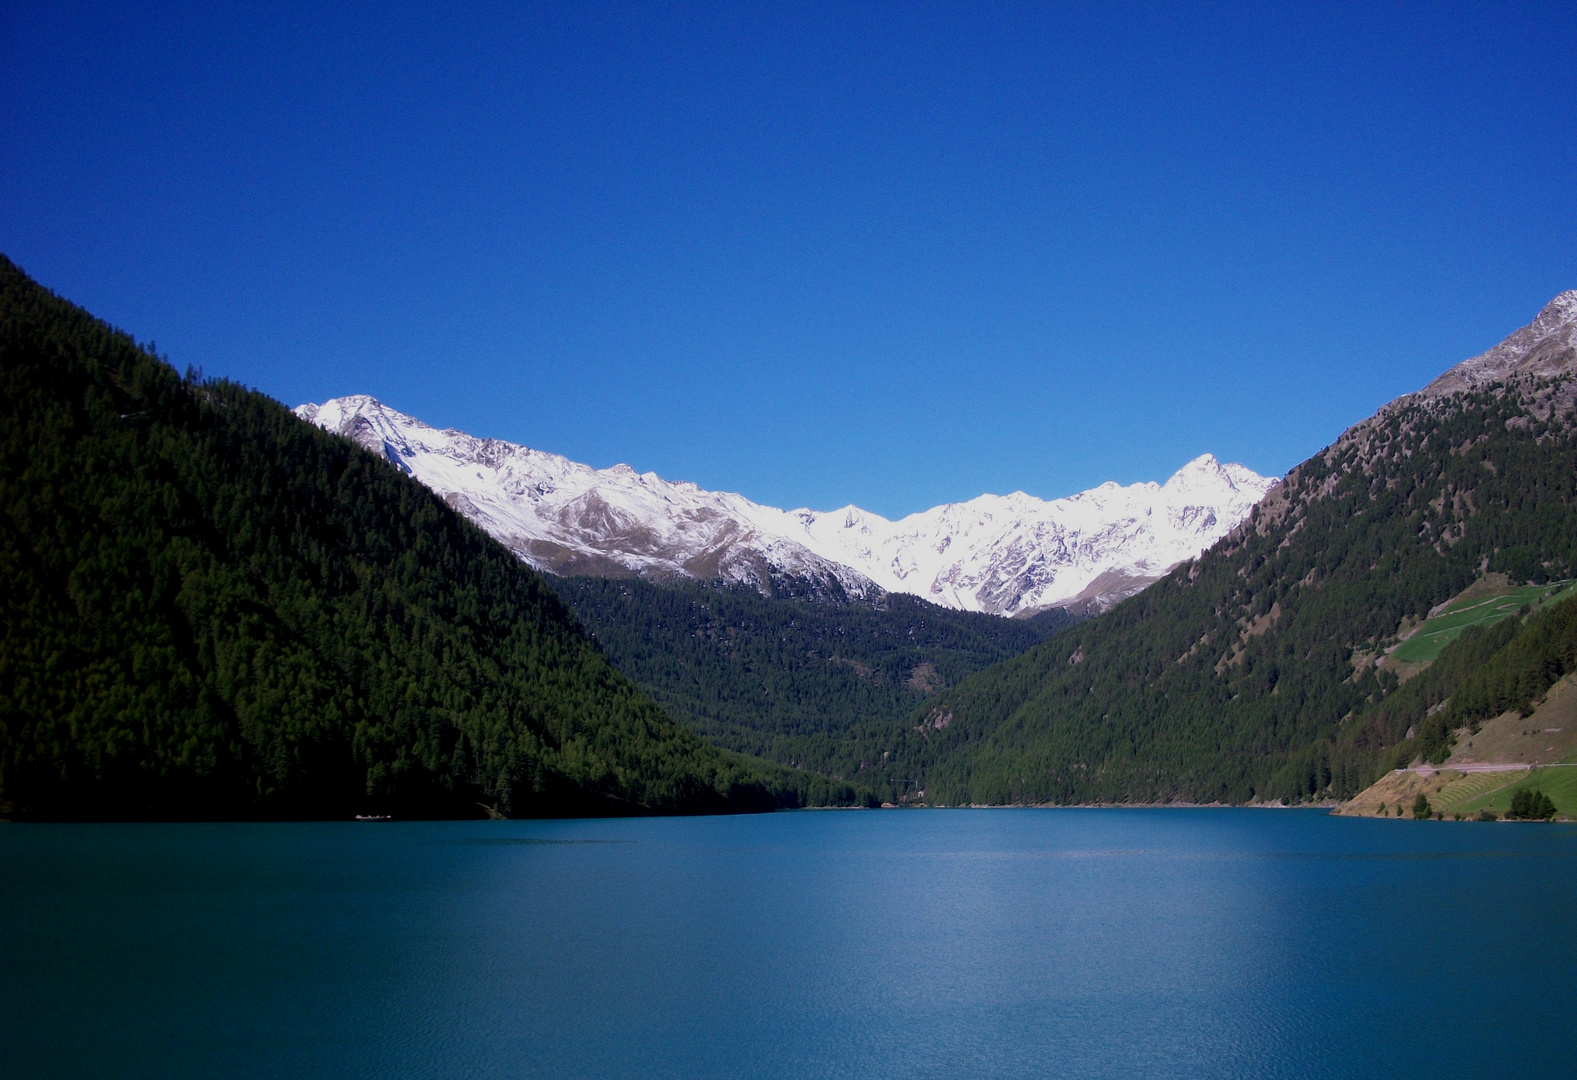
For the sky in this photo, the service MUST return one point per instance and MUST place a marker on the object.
(884, 255)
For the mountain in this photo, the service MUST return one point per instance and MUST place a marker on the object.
(1006, 555)
(215, 610)
(806, 684)
(567, 518)
(1268, 667)
(1016, 554)
(1541, 350)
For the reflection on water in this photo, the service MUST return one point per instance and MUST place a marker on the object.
(508, 841)
(1070, 943)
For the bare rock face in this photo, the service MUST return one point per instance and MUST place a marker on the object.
(1008, 555)
(1544, 348)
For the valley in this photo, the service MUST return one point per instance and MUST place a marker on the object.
(346, 608)
(829, 687)
(1241, 649)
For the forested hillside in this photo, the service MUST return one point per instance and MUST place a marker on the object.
(1486, 672)
(811, 684)
(213, 609)
(1251, 672)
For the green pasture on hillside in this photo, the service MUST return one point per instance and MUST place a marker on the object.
(1559, 783)
(1440, 631)
(1473, 788)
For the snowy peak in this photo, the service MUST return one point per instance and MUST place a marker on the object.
(1016, 554)
(1206, 474)
(568, 518)
(1005, 554)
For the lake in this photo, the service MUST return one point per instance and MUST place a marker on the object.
(921, 943)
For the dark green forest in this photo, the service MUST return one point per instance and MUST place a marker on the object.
(213, 609)
(815, 685)
(1249, 673)
(1421, 705)
(1543, 651)
(1484, 673)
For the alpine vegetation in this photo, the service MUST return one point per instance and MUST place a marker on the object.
(213, 609)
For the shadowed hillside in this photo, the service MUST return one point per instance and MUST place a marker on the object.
(813, 684)
(213, 609)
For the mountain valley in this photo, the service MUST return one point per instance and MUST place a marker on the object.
(218, 608)
(805, 683)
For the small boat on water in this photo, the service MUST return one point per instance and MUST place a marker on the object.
(373, 817)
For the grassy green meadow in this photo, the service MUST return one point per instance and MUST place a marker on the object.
(1438, 632)
(1559, 783)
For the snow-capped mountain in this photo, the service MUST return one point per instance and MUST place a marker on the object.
(1010, 554)
(1005, 554)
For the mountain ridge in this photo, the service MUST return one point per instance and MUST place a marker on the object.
(1002, 554)
(1544, 347)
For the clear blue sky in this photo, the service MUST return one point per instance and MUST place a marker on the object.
(817, 255)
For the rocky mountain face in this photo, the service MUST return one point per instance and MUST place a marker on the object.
(1530, 373)
(1006, 555)
(1542, 349)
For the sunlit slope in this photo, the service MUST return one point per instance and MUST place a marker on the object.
(1559, 783)
(1250, 673)
(214, 609)
(1499, 701)
(1446, 625)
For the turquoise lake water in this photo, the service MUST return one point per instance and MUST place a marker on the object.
(1003, 943)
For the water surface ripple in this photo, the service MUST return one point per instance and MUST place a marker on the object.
(1006, 943)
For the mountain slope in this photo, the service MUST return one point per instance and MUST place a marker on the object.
(1005, 555)
(1254, 672)
(213, 609)
(805, 684)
